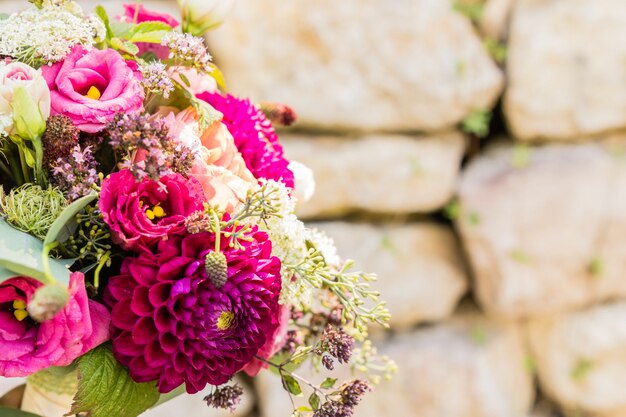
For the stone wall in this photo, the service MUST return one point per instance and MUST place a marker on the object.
(536, 244)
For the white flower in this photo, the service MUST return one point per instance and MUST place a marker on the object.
(304, 186)
(325, 245)
(51, 33)
(200, 16)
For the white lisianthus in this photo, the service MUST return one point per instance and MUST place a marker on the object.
(200, 16)
(304, 186)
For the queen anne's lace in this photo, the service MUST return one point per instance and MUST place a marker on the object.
(52, 32)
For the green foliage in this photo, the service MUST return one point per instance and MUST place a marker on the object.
(106, 389)
(478, 335)
(472, 9)
(11, 412)
(23, 254)
(581, 369)
(328, 383)
(32, 209)
(496, 49)
(520, 256)
(521, 156)
(596, 267)
(291, 385)
(62, 227)
(452, 210)
(477, 123)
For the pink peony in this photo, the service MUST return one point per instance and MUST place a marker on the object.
(140, 214)
(254, 136)
(171, 323)
(28, 347)
(91, 87)
(145, 15)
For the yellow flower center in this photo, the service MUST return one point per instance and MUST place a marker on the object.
(94, 93)
(156, 212)
(225, 320)
(19, 310)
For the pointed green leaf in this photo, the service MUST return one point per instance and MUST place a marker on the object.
(106, 389)
(218, 76)
(102, 14)
(314, 401)
(291, 385)
(22, 254)
(11, 412)
(124, 46)
(62, 227)
(328, 383)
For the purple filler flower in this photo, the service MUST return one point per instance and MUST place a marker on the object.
(255, 137)
(140, 214)
(171, 324)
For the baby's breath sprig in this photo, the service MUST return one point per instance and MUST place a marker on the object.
(189, 51)
(351, 288)
(259, 206)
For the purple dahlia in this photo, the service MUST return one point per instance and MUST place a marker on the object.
(173, 322)
(254, 135)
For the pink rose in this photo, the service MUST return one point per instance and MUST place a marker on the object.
(17, 74)
(91, 87)
(219, 167)
(145, 15)
(140, 214)
(28, 347)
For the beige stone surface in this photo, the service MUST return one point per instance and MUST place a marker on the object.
(546, 235)
(364, 64)
(581, 358)
(494, 21)
(420, 269)
(378, 173)
(466, 367)
(565, 68)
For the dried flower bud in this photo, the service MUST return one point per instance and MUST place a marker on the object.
(336, 343)
(47, 302)
(216, 268)
(227, 397)
(279, 114)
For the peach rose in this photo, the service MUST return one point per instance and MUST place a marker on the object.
(219, 167)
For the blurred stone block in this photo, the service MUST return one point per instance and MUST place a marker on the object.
(544, 227)
(581, 359)
(465, 367)
(565, 68)
(354, 64)
(419, 266)
(494, 21)
(378, 173)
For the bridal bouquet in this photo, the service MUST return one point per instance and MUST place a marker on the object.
(148, 242)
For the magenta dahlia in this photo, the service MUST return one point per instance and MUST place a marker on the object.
(254, 136)
(175, 319)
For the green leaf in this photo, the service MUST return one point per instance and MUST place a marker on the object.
(151, 32)
(120, 29)
(62, 227)
(328, 383)
(218, 76)
(102, 14)
(291, 385)
(314, 401)
(124, 46)
(106, 389)
(23, 254)
(11, 412)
